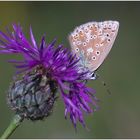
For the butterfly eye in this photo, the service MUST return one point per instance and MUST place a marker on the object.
(101, 44)
(108, 40)
(87, 40)
(107, 35)
(84, 43)
(109, 25)
(81, 32)
(93, 57)
(86, 30)
(100, 32)
(78, 42)
(97, 45)
(105, 25)
(77, 30)
(77, 49)
(91, 37)
(76, 36)
(91, 27)
(98, 52)
(94, 36)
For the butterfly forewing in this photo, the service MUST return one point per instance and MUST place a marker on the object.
(93, 41)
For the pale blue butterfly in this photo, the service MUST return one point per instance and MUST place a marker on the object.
(92, 42)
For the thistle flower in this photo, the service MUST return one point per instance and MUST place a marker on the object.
(44, 70)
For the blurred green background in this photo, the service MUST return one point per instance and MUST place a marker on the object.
(119, 114)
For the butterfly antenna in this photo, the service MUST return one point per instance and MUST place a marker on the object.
(104, 83)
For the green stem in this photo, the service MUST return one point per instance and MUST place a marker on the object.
(12, 127)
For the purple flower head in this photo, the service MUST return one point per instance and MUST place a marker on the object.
(58, 64)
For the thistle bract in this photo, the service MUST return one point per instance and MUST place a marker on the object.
(33, 97)
(44, 72)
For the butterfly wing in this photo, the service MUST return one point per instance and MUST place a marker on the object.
(93, 41)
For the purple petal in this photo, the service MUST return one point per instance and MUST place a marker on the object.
(32, 38)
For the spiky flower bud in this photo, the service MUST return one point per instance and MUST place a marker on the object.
(33, 96)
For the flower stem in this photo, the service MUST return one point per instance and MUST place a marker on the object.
(12, 127)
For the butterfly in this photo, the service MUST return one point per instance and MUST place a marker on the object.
(92, 42)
